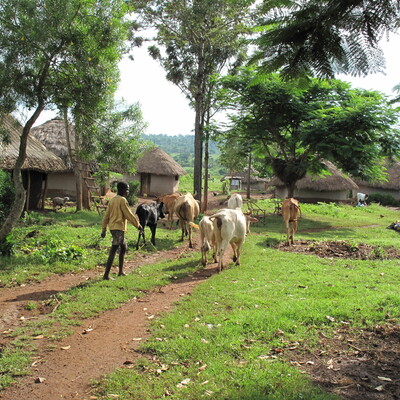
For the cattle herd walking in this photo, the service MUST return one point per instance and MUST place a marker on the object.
(227, 226)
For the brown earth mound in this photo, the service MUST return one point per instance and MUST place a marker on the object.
(342, 249)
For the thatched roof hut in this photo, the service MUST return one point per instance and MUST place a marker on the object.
(38, 164)
(38, 158)
(157, 172)
(391, 186)
(333, 187)
(52, 135)
(158, 162)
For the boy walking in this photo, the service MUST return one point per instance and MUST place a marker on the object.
(116, 217)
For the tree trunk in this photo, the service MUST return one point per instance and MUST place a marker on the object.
(206, 160)
(72, 157)
(20, 196)
(199, 124)
(290, 188)
(248, 177)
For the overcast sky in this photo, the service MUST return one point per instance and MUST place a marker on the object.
(167, 111)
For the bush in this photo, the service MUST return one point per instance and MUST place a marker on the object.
(134, 188)
(52, 250)
(6, 194)
(383, 199)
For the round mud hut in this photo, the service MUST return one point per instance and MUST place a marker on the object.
(312, 188)
(157, 172)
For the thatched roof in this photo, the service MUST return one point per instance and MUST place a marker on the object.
(52, 134)
(329, 183)
(37, 156)
(158, 162)
(393, 176)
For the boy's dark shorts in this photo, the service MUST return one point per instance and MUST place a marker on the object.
(118, 238)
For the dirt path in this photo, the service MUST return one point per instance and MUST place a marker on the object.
(101, 345)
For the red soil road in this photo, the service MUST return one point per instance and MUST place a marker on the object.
(112, 338)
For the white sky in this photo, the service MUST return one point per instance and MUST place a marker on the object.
(166, 109)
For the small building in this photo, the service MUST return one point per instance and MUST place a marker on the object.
(333, 187)
(38, 166)
(389, 187)
(53, 136)
(157, 172)
(238, 180)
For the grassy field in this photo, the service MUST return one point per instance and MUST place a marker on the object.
(221, 342)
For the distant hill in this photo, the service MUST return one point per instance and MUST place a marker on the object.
(181, 148)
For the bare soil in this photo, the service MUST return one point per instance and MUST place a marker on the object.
(356, 365)
(341, 249)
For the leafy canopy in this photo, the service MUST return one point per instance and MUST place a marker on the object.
(323, 37)
(296, 127)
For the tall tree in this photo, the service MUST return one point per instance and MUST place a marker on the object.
(298, 127)
(323, 37)
(45, 44)
(199, 38)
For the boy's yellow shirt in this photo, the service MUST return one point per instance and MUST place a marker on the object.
(118, 214)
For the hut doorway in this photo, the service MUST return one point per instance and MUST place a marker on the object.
(145, 182)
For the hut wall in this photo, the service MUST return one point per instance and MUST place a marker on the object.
(371, 190)
(161, 184)
(61, 184)
(335, 195)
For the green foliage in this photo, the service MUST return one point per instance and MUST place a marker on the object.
(297, 127)
(287, 43)
(6, 194)
(7, 246)
(52, 250)
(134, 188)
(383, 199)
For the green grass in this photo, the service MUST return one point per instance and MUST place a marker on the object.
(225, 335)
(221, 340)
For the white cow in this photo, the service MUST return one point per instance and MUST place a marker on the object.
(235, 201)
(207, 236)
(230, 228)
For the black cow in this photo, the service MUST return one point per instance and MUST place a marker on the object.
(148, 215)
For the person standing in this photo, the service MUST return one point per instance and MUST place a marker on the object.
(116, 217)
(362, 199)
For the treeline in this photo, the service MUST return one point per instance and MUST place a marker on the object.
(181, 149)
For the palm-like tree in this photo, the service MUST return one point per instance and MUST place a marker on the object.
(324, 37)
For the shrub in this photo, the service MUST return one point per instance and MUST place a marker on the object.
(52, 250)
(383, 199)
(134, 188)
(7, 246)
(6, 194)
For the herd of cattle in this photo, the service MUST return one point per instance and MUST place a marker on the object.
(227, 226)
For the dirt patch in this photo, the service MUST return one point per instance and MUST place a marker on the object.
(353, 364)
(65, 369)
(342, 249)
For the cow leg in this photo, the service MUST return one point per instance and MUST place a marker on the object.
(170, 219)
(141, 233)
(190, 236)
(221, 251)
(234, 249)
(153, 234)
(238, 250)
(294, 229)
(287, 233)
(183, 229)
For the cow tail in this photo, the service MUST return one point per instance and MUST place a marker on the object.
(193, 225)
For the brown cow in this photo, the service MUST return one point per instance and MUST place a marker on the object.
(169, 201)
(290, 212)
(187, 209)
